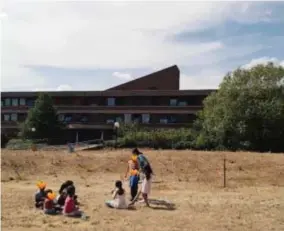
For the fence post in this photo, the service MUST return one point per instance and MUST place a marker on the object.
(224, 169)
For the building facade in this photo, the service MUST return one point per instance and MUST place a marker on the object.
(153, 101)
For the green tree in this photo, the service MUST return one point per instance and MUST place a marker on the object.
(42, 122)
(247, 112)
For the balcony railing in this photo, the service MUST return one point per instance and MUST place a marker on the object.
(111, 109)
(95, 125)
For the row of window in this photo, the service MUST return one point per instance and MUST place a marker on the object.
(110, 102)
(10, 117)
(126, 118)
(173, 102)
(13, 102)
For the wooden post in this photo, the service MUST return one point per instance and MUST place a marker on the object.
(224, 168)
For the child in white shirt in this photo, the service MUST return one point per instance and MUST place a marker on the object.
(119, 200)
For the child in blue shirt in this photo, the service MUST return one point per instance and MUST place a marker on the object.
(133, 183)
(40, 194)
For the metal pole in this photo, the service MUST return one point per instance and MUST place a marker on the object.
(116, 137)
(224, 168)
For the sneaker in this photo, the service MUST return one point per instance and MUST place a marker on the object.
(84, 217)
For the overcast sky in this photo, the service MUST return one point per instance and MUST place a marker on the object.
(52, 45)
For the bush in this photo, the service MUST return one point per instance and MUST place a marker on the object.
(19, 144)
(135, 136)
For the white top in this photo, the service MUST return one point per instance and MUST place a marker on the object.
(119, 201)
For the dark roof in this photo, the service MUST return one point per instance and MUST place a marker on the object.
(165, 79)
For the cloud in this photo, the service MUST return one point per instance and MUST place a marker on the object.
(111, 36)
(263, 60)
(208, 79)
(123, 76)
(64, 87)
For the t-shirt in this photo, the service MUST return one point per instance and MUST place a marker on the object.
(48, 204)
(69, 205)
(39, 196)
(61, 199)
(133, 165)
(142, 160)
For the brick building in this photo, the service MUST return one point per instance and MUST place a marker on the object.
(154, 100)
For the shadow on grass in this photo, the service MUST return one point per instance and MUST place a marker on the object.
(162, 205)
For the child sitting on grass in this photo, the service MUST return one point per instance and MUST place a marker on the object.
(49, 206)
(63, 193)
(40, 194)
(118, 201)
(70, 209)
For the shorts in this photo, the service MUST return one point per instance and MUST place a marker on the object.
(146, 186)
(75, 213)
(50, 211)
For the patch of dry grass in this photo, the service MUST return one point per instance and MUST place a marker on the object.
(254, 199)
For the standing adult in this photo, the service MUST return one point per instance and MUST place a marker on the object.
(146, 170)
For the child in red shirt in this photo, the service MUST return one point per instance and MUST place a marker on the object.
(49, 206)
(70, 209)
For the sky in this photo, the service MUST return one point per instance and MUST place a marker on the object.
(88, 45)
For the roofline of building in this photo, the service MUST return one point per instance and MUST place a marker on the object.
(110, 93)
(142, 77)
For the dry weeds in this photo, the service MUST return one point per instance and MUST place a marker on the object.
(254, 199)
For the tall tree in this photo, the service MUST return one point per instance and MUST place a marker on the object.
(42, 121)
(247, 112)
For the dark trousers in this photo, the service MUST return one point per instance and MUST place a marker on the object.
(133, 191)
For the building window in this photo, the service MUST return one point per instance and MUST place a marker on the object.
(111, 101)
(84, 119)
(15, 102)
(6, 117)
(68, 118)
(2, 103)
(14, 117)
(30, 102)
(61, 117)
(173, 102)
(22, 101)
(110, 121)
(172, 119)
(163, 121)
(183, 103)
(127, 118)
(8, 102)
(145, 118)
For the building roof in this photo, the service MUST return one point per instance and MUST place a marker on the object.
(164, 82)
(165, 79)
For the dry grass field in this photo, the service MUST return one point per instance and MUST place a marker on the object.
(253, 199)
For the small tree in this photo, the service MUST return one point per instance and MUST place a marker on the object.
(247, 112)
(42, 122)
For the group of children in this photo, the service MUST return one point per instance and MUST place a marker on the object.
(65, 203)
(138, 167)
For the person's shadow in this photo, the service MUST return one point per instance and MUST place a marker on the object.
(161, 204)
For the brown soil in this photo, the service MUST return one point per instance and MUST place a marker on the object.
(193, 181)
